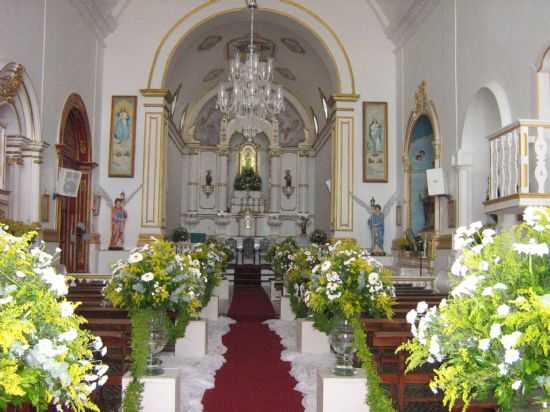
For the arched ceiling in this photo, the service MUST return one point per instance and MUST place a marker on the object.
(302, 63)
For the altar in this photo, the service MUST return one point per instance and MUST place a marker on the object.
(239, 187)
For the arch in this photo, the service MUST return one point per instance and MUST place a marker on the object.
(543, 86)
(74, 214)
(23, 101)
(483, 117)
(424, 110)
(290, 9)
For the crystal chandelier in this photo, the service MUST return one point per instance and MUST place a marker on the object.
(250, 94)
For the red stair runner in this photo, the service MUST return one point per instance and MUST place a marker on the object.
(253, 379)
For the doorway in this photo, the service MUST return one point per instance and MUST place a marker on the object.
(74, 152)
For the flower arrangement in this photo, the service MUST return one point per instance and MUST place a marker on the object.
(154, 280)
(18, 228)
(318, 237)
(213, 258)
(491, 337)
(180, 234)
(279, 256)
(45, 357)
(346, 284)
(248, 180)
(298, 276)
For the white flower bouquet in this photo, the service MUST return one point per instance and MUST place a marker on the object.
(491, 339)
(45, 357)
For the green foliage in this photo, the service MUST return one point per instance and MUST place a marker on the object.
(492, 337)
(18, 229)
(347, 284)
(140, 353)
(318, 237)
(248, 180)
(180, 234)
(298, 276)
(278, 255)
(45, 357)
(377, 399)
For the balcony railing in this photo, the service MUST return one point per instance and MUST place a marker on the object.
(519, 166)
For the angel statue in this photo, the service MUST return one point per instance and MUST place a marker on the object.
(375, 222)
(118, 216)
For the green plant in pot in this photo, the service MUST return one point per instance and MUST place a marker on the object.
(151, 284)
(491, 338)
(346, 285)
(318, 237)
(180, 234)
(248, 180)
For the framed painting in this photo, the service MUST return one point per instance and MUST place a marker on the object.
(375, 142)
(122, 140)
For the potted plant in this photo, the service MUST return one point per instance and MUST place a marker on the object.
(346, 284)
(45, 358)
(155, 281)
(491, 337)
(180, 234)
(318, 237)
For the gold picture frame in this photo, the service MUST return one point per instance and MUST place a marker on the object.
(122, 137)
(375, 142)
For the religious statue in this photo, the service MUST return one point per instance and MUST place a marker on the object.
(428, 208)
(247, 158)
(303, 222)
(375, 222)
(375, 136)
(208, 178)
(119, 216)
(288, 178)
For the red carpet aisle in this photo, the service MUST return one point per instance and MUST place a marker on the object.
(253, 379)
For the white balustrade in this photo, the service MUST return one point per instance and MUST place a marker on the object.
(519, 158)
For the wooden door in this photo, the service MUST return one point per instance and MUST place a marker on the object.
(74, 213)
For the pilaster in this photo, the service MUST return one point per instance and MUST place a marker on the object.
(342, 141)
(275, 180)
(155, 134)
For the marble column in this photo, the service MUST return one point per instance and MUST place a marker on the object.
(15, 166)
(223, 157)
(155, 109)
(194, 179)
(462, 162)
(30, 180)
(275, 180)
(342, 181)
(303, 178)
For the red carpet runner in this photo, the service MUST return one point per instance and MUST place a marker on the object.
(253, 379)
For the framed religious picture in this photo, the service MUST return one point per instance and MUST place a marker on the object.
(122, 140)
(375, 142)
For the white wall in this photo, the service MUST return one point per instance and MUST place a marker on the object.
(130, 50)
(464, 45)
(61, 55)
(321, 199)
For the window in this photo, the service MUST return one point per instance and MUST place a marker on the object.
(325, 103)
(315, 121)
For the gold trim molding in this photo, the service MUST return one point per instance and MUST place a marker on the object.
(292, 3)
(518, 196)
(344, 97)
(11, 78)
(145, 238)
(155, 92)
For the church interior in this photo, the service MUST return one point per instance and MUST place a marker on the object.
(275, 205)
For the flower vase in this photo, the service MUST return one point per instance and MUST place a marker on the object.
(342, 343)
(158, 338)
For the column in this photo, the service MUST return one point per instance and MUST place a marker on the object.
(275, 180)
(342, 167)
(462, 162)
(223, 154)
(194, 179)
(30, 180)
(303, 178)
(15, 165)
(155, 110)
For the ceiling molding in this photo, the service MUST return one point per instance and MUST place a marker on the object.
(401, 30)
(98, 18)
